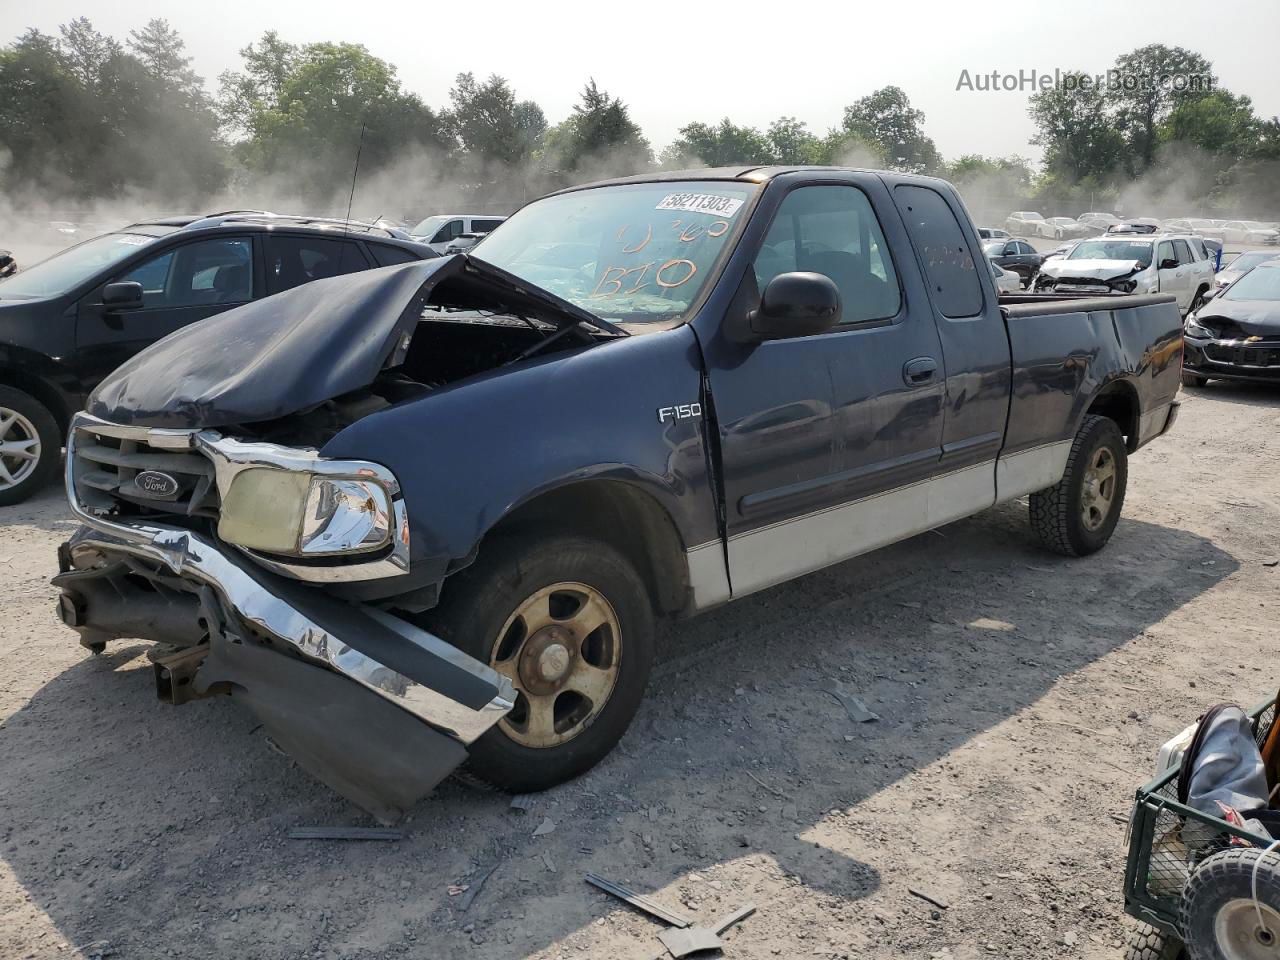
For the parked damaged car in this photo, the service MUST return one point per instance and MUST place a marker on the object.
(429, 514)
(1177, 265)
(67, 321)
(1236, 334)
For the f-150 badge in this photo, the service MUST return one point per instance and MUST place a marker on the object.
(681, 411)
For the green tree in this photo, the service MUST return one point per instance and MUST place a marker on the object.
(721, 145)
(1077, 129)
(1145, 102)
(601, 133)
(1219, 123)
(490, 124)
(302, 110)
(887, 122)
(791, 142)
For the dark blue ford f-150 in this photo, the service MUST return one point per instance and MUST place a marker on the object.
(428, 514)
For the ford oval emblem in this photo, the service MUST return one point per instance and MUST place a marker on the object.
(153, 483)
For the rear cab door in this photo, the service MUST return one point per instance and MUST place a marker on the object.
(963, 305)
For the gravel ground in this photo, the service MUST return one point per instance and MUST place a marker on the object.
(1021, 697)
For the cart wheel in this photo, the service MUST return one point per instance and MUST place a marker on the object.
(1218, 915)
(1151, 943)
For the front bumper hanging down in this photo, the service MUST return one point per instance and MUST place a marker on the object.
(375, 707)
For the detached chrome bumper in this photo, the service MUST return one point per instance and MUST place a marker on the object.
(412, 668)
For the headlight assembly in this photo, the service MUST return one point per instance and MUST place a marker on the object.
(1193, 329)
(298, 514)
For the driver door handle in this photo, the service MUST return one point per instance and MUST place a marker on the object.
(919, 371)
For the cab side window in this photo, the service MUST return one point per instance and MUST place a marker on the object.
(832, 230)
(1164, 252)
(214, 271)
(941, 245)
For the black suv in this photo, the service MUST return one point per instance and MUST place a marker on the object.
(68, 321)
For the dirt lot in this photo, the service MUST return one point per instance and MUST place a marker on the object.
(1022, 698)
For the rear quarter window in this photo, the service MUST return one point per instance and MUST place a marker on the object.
(389, 256)
(941, 245)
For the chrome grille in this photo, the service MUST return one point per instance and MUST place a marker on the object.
(105, 470)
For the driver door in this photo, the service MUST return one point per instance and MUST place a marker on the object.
(180, 285)
(1175, 278)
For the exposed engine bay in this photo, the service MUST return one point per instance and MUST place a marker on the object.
(447, 345)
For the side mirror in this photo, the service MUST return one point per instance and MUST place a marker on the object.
(1168, 263)
(122, 296)
(796, 305)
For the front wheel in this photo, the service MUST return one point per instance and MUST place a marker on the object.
(569, 622)
(1193, 379)
(30, 445)
(1079, 513)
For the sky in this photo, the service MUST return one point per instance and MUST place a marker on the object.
(752, 62)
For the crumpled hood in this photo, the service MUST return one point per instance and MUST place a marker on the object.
(296, 349)
(1090, 269)
(1254, 318)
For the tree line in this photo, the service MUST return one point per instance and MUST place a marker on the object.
(86, 117)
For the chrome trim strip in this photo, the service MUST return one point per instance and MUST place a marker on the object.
(790, 548)
(230, 457)
(1027, 471)
(188, 555)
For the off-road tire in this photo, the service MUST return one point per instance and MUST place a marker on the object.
(1056, 511)
(46, 427)
(1193, 380)
(1150, 943)
(1222, 882)
(476, 603)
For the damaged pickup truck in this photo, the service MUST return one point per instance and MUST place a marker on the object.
(428, 514)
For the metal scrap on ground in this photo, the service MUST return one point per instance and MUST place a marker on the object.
(640, 902)
(681, 943)
(858, 711)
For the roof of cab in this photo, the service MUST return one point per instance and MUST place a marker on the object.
(756, 174)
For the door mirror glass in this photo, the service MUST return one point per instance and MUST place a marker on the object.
(126, 295)
(796, 305)
(1168, 263)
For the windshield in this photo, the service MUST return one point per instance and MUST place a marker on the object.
(1112, 250)
(429, 226)
(72, 266)
(633, 253)
(1247, 261)
(1260, 284)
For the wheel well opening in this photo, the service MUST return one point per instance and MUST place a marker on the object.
(1119, 402)
(35, 387)
(626, 518)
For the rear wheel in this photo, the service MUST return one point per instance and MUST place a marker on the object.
(1079, 513)
(568, 621)
(1197, 301)
(30, 445)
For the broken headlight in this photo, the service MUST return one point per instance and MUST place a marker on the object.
(1192, 328)
(299, 514)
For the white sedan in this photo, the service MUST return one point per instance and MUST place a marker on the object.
(1006, 280)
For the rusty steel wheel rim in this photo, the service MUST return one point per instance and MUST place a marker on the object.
(1098, 493)
(562, 649)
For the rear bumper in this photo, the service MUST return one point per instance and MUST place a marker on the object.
(374, 706)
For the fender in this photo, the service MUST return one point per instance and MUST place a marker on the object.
(469, 454)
